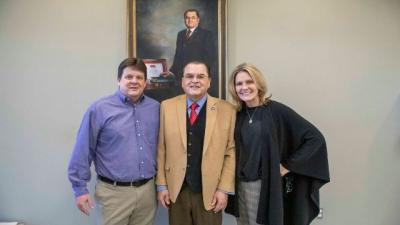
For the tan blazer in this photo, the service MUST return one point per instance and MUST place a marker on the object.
(218, 162)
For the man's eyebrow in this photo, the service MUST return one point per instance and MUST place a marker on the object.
(195, 74)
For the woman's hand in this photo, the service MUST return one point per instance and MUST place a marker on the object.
(283, 170)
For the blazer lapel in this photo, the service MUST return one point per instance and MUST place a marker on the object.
(181, 112)
(211, 116)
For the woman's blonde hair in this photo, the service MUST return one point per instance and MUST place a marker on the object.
(258, 79)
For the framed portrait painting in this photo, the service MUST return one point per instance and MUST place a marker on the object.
(167, 34)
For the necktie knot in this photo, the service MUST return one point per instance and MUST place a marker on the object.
(194, 106)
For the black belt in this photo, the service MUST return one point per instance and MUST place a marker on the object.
(137, 183)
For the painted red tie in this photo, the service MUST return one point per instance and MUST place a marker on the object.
(193, 114)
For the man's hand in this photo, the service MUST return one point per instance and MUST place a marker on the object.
(163, 197)
(283, 170)
(219, 201)
(84, 203)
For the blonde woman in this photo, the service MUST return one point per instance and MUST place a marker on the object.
(281, 158)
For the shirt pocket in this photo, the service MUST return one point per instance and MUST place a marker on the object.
(151, 129)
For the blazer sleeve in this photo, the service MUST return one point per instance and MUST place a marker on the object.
(177, 63)
(160, 178)
(211, 52)
(227, 181)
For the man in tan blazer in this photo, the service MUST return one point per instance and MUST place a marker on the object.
(196, 152)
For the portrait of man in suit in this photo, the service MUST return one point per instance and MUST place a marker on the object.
(195, 43)
(158, 30)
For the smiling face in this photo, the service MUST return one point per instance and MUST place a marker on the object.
(191, 19)
(195, 81)
(246, 89)
(132, 83)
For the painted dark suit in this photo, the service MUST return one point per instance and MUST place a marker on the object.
(201, 46)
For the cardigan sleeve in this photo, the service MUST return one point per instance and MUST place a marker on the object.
(303, 147)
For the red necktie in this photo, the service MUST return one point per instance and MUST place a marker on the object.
(193, 114)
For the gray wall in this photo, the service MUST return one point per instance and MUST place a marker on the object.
(335, 62)
(56, 57)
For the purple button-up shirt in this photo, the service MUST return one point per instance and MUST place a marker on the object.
(120, 137)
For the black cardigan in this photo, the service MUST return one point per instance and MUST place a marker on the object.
(301, 148)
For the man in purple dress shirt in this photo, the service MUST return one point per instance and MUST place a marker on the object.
(119, 134)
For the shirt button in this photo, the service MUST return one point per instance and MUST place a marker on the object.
(188, 166)
(190, 144)
(142, 162)
(190, 133)
(142, 175)
(137, 121)
(189, 155)
(140, 147)
(138, 134)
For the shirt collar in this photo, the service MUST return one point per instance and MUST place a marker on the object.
(192, 30)
(125, 99)
(200, 102)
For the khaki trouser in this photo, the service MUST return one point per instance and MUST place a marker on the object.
(116, 205)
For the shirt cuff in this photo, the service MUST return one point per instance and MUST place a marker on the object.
(162, 188)
(80, 190)
(228, 193)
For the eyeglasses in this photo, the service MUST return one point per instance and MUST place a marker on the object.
(199, 77)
